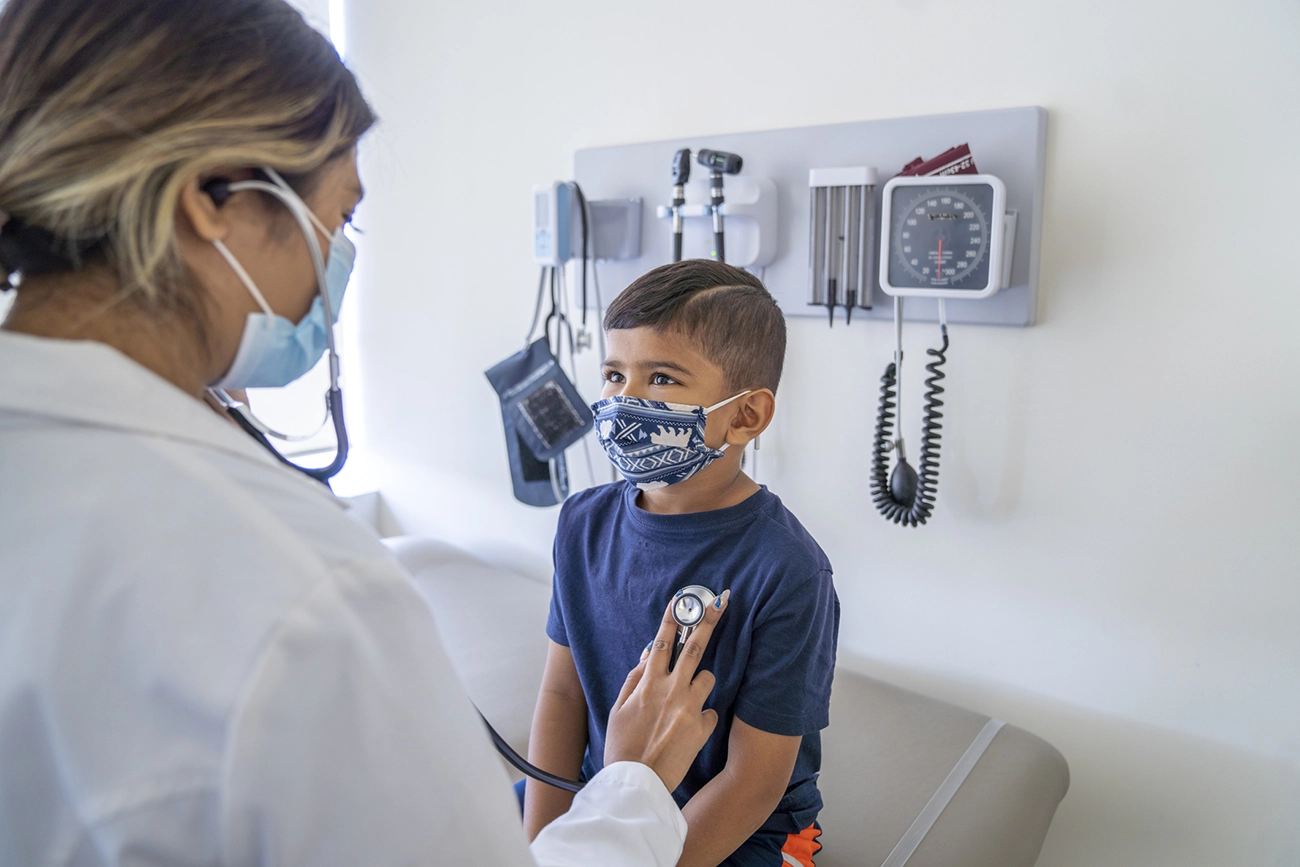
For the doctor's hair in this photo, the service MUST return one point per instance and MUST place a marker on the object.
(724, 311)
(108, 108)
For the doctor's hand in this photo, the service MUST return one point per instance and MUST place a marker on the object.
(659, 718)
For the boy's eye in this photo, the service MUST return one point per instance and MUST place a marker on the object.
(662, 379)
(613, 376)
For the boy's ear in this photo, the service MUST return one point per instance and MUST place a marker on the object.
(753, 414)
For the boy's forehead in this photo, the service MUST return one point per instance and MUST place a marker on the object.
(647, 346)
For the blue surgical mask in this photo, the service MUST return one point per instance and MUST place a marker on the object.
(655, 444)
(274, 351)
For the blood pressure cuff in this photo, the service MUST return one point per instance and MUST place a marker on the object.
(543, 415)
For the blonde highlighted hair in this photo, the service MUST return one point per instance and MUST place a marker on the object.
(108, 107)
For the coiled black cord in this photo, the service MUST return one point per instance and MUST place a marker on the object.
(908, 497)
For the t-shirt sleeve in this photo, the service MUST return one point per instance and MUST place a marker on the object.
(555, 629)
(787, 685)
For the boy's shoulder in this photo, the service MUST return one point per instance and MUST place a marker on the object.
(596, 500)
(762, 528)
(785, 531)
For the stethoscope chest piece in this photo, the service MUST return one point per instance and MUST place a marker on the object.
(689, 606)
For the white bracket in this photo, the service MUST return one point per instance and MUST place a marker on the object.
(750, 220)
(1008, 246)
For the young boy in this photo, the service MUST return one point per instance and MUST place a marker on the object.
(708, 341)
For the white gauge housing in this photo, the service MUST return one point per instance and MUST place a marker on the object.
(919, 213)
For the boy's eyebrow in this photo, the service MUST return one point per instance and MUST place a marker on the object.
(669, 365)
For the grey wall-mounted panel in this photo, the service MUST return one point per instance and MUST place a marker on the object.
(1009, 143)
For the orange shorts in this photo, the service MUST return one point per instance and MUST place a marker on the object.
(777, 849)
(800, 848)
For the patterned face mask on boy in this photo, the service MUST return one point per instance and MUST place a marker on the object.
(655, 444)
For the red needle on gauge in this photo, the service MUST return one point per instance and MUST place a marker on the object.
(938, 272)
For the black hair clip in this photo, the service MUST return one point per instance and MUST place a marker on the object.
(31, 250)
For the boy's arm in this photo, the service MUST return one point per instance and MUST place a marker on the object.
(735, 803)
(558, 739)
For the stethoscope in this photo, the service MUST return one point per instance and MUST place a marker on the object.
(220, 189)
(689, 605)
(243, 416)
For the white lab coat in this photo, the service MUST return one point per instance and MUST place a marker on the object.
(204, 660)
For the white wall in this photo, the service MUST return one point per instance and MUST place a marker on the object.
(317, 12)
(1112, 563)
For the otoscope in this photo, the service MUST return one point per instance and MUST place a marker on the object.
(718, 163)
(681, 174)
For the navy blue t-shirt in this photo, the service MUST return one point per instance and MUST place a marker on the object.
(773, 652)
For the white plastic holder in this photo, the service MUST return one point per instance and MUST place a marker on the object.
(1008, 247)
(750, 220)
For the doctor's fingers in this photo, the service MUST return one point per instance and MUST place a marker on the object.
(661, 647)
(701, 685)
(654, 658)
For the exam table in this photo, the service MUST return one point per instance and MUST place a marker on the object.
(888, 758)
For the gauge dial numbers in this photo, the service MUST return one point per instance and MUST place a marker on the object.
(943, 236)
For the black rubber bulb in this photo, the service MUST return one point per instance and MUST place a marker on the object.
(902, 484)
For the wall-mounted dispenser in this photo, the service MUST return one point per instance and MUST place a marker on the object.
(841, 238)
(613, 227)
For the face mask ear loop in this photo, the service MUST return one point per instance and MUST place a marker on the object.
(283, 185)
(243, 277)
(709, 409)
(315, 221)
(305, 220)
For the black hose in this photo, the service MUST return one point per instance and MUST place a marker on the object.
(915, 509)
(582, 210)
(523, 766)
(334, 401)
(334, 398)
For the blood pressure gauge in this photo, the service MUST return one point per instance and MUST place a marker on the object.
(689, 606)
(943, 236)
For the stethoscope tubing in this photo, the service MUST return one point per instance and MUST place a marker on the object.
(523, 765)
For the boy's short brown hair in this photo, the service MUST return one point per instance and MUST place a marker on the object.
(725, 311)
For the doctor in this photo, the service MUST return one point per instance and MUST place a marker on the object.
(203, 659)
